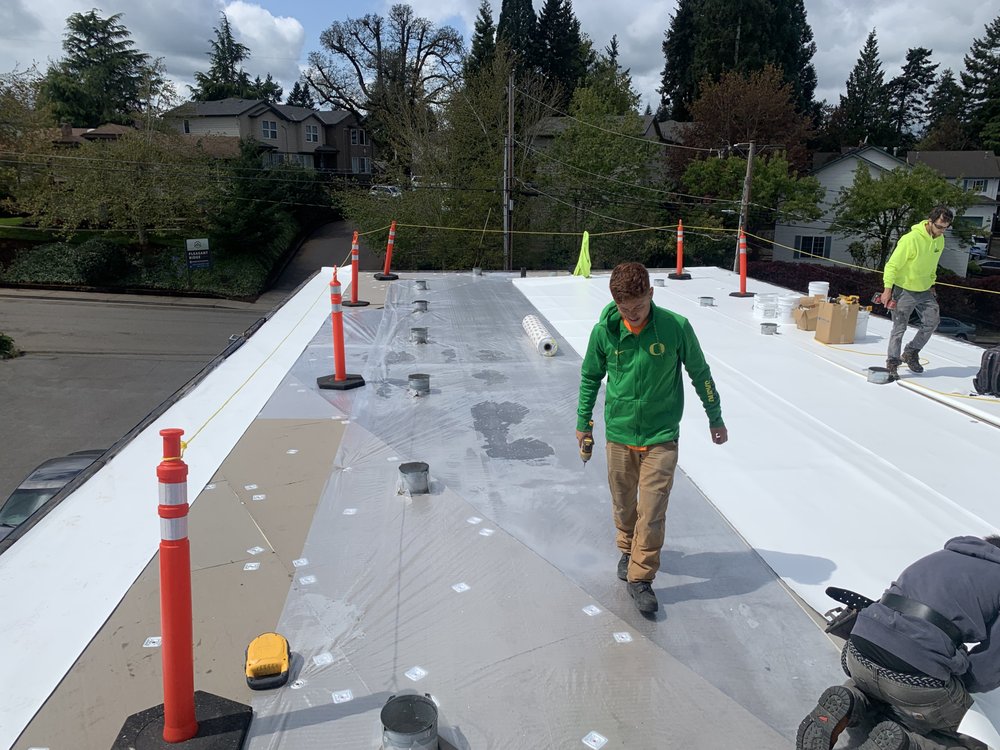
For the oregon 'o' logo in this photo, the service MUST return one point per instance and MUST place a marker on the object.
(657, 349)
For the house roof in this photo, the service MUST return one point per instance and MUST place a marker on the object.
(672, 131)
(952, 164)
(233, 107)
(861, 154)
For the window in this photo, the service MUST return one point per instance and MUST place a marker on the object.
(361, 165)
(268, 129)
(312, 133)
(812, 247)
(358, 137)
(976, 186)
(187, 126)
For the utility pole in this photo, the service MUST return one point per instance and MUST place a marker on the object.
(508, 178)
(743, 204)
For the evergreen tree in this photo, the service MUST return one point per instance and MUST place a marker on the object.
(795, 58)
(612, 84)
(99, 79)
(908, 96)
(518, 27)
(483, 45)
(226, 77)
(301, 96)
(862, 116)
(677, 84)
(981, 81)
(562, 54)
(267, 89)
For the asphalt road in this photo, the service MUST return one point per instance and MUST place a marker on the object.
(96, 364)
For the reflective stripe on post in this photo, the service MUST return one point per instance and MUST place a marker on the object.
(177, 646)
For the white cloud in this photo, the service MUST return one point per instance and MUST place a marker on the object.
(275, 42)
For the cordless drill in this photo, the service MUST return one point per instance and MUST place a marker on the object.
(587, 447)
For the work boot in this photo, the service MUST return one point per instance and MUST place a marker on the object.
(892, 365)
(642, 593)
(832, 715)
(911, 358)
(623, 566)
(887, 735)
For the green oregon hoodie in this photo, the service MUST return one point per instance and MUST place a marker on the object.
(913, 264)
(645, 394)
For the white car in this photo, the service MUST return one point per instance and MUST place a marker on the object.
(385, 191)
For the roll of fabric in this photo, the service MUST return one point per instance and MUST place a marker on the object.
(539, 335)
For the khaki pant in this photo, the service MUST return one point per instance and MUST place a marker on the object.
(640, 483)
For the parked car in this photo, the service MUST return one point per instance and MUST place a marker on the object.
(958, 329)
(385, 191)
(979, 249)
(41, 485)
(988, 267)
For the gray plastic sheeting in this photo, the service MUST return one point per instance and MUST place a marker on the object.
(496, 593)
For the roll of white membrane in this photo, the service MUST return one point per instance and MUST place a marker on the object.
(539, 335)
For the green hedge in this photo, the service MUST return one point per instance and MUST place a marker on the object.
(7, 348)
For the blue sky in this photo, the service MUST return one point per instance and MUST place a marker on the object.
(281, 33)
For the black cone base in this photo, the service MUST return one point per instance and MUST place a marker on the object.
(385, 276)
(679, 276)
(222, 725)
(742, 294)
(359, 303)
(330, 382)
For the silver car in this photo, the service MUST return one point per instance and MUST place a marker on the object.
(41, 485)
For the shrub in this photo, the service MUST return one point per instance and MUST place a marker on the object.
(7, 348)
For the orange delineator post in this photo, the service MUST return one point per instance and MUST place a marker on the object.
(386, 275)
(179, 721)
(340, 380)
(354, 275)
(680, 274)
(743, 268)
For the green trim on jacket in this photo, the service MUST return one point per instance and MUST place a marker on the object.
(644, 399)
(913, 264)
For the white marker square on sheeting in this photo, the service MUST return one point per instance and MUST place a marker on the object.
(321, 660)
(251, 566)
(153, 641)
(416, 673)
(623, 637)
(342, 696)
(461, 587)
(592, 609)
(595, 740)
(300, 562)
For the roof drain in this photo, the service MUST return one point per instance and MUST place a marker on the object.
(418, 335)
(420, 384)
(414, 476)
(421, 285)
(409, 722)
(420, 305)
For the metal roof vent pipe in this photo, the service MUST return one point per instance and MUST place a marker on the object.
(414, 482)
(419, 305)
(421, 285)
(418, 335)
(409, 722)
(420, 384)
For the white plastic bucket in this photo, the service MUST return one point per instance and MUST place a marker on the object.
(786, 305)
(819, 289)
(765, 307)
(861, 329)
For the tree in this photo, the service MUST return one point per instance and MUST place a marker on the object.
(756, 106)
(908, 100)
(267, 90)
(301, 96)
(98, 80)
(946, 129)
(677, 83)
(483, 45)
(396, 70)
(981, 81)
(863, 114)
(612, 83)
(562, 53)
(881, 209)
(225, 77)
(22, 120)
(518, 27)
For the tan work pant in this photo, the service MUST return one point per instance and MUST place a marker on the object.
(640, 483)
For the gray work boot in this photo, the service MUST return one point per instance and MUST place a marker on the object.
(623, 566)
(887, 735)
(911, 358)
(834, 712)
(892, 365)
(642, 593)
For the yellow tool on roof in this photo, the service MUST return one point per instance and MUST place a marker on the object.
(268, 659)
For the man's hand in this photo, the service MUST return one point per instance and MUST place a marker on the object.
(719, 434)
(886, 296)
(581, 435)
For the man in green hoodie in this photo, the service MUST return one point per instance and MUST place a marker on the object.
(909, 278)
(641, 347)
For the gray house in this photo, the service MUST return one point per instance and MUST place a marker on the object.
(977, 171)
(813, 242)
(329, 140)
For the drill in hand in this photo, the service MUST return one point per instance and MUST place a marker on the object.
(587, 447)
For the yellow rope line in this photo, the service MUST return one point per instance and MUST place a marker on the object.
(184, 444)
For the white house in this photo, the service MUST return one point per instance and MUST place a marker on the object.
(978, 171)
(813, 242)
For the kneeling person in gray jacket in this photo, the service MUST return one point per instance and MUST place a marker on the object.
(906, 656)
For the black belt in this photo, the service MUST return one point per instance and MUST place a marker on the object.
(913, 608)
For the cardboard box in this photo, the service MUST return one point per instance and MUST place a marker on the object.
(835, 324)
(805, 314)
